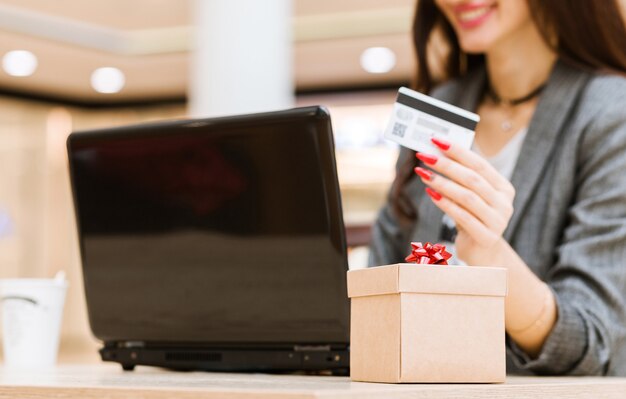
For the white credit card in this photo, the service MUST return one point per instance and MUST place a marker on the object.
(417, 118)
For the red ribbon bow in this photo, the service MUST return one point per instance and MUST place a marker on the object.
(428, 254)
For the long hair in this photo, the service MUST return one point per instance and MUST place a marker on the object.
(588, 33)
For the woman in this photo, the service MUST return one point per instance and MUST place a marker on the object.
(544, 191)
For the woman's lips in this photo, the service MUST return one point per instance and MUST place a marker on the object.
(469, 16)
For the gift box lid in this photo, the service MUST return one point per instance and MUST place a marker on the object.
(431, 279)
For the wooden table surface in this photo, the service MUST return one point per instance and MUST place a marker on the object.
(109, 381)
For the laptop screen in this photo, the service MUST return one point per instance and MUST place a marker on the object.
(213, 231)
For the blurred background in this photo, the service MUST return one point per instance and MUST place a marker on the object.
(72, 65)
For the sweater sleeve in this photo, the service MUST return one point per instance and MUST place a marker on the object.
(389, 237)
(589, 277)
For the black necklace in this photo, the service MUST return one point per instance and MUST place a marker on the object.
(507, 124)
(513, 101)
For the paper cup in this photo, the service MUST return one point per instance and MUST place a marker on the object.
(32, 310)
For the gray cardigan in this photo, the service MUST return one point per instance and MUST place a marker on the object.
(569, 223)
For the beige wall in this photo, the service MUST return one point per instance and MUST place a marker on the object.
(34, 189)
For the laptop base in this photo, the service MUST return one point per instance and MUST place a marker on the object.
(333, 361)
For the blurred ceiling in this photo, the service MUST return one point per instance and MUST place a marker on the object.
(149, 40)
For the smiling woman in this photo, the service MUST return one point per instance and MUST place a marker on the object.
(542, 193)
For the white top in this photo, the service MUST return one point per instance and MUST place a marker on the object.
(504, 162)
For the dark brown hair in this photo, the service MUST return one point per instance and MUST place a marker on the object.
(589, 33)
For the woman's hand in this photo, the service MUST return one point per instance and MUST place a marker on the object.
(480, 201)
(473, 194)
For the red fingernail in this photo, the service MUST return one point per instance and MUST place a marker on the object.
(442, 144)
(433, 194)
(427, 158)
(424, 173)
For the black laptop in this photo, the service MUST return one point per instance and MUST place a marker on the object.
(214, 244)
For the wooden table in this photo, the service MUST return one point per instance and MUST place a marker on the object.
(109, 381)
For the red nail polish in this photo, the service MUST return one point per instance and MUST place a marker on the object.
(423, 173)
(433, 194)
(442, 144)
(427, 158)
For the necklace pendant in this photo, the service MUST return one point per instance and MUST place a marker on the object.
(506, 126)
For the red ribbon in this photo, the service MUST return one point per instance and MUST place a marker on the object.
(428, 254)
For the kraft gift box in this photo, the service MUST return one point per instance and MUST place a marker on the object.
(427, 323)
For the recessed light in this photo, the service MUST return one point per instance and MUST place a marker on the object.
(378, 60)
(19, 63)
(107, 80)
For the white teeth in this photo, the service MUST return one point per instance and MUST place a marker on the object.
(473, 14)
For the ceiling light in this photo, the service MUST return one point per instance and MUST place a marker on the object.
(107, 80)
(19, 63)
(378, 60)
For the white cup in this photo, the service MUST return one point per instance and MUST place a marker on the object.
(32, 310)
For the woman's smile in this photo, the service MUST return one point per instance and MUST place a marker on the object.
(472, 15)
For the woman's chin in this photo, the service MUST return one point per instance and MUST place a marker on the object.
(475, 45)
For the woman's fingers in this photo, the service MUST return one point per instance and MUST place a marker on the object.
(464, 219)
(469, 190)
(476, 163)
(465, 177)
(494, 218)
